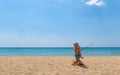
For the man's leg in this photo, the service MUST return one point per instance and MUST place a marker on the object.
(80, 62)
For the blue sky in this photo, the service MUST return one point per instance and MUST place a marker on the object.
(46, 23)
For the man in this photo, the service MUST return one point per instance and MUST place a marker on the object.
(77, 51)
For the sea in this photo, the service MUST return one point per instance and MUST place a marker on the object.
(58, 51)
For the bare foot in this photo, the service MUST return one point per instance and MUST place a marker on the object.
(74, 62)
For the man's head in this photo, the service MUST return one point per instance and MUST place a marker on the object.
(75, 44)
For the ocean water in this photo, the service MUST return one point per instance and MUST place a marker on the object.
(59, 51)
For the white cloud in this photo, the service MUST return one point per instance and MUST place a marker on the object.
(95, 2)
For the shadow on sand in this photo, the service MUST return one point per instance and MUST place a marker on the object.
(83, 66)
(80, 64)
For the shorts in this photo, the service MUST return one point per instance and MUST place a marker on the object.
(77, 56)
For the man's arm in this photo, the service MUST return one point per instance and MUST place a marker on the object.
(82, 57)
(81, 54)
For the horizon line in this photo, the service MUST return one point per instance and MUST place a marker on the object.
(59, 47)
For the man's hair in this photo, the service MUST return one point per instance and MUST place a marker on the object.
(75, 43)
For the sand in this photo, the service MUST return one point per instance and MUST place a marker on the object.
(59, 66)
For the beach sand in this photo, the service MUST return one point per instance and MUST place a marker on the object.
(44, 65)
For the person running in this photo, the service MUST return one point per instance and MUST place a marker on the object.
(77, 51)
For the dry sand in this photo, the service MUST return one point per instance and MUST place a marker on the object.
(59, 66)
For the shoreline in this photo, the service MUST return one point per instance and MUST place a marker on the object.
(59, 65)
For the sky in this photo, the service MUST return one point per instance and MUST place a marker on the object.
(59, 23)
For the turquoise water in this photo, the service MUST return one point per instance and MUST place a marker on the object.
(59, 51)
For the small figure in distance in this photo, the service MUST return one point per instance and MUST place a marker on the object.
(77, 51)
